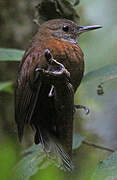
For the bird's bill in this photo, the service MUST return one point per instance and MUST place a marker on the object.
(88, 28)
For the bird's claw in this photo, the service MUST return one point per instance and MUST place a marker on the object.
(40, 70)
(48, 56)
(51, 93)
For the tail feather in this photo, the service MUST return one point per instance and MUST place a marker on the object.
(66, 160)
(55, 151)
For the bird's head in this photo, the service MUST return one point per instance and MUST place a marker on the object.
(65, 29)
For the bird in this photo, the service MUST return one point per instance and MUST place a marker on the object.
(35, 97)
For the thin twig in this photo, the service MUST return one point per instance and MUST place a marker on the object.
(98, 146)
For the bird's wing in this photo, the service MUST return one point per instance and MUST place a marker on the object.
(26, 94)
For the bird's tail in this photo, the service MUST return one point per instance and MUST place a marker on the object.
(54, 150)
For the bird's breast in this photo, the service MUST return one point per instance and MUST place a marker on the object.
(70, 55)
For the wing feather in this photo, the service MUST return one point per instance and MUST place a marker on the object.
(25, 95)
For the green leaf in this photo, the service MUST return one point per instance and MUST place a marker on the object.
(77, 141)
(101, 74)
(107, 169)
(34, 159)
(6, 86)
(69, 11)
(10, 54)
(75, 2)
(29, 165)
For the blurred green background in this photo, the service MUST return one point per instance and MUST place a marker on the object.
(99, 47)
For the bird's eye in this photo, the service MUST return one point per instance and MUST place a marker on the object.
(65, 28)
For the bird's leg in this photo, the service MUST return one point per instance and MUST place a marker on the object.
(82, 107)
(49, 58)
(55, 68)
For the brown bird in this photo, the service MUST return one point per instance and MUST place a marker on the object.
(33, 103)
